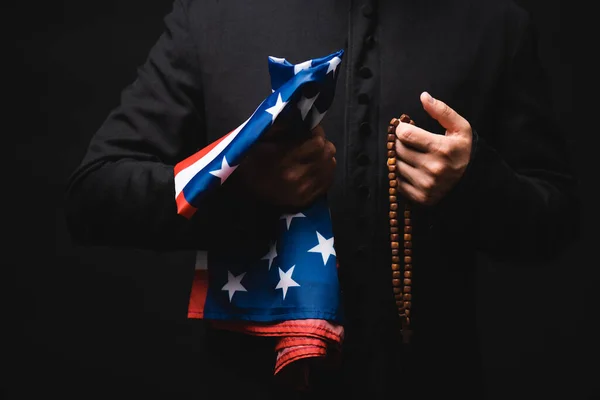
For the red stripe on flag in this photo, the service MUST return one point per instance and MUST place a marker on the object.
(183, 164)
(183, 207)
(198, 294)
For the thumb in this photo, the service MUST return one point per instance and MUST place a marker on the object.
(442, 113)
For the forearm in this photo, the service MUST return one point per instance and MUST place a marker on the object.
(132, 203)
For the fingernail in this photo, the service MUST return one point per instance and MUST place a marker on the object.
(428, 97)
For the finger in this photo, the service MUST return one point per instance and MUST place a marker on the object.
(417, 138)
(318, 131)
(442, 113)
(408, 191)
(408, 155)
(407, 173)
(311, 150)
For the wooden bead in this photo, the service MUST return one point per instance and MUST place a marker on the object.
(401, 276)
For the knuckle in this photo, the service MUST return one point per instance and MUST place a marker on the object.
(421, 197)
(437, 168)
(445, 109)
(291, 175)
(330, 149)
(403, 132)
(443, 149)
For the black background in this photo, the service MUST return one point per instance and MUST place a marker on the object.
(101, 323)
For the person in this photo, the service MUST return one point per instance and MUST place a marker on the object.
(485, 168)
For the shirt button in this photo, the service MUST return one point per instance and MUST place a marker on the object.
(362, 159)
(365, 72)
(365, 128)
(363, 98)
(367, 10)
(370, 41)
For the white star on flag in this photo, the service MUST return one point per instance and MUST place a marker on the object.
(289, 217)
(276, 109)
(304, 104)
(286, 281)
(301, 66)
(333, 64)
(325, 247)
(271, 254)
(225, 170)
(234, 284)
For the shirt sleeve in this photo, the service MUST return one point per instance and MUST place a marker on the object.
(123, 191)
(519, 196)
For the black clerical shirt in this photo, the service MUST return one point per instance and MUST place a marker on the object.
(208, 72)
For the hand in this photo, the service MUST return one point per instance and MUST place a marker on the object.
(429, 165)
(288, 168)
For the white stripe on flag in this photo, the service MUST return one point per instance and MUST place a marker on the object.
(185, 176)
(201, 260)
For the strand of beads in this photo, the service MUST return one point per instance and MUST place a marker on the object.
(401, 276)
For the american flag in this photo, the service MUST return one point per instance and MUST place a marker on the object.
(292, 292)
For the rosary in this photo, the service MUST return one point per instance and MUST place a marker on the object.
(401, 274)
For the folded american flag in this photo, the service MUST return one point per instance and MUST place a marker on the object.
(292, 292)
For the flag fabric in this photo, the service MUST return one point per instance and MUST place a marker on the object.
(291, 292)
